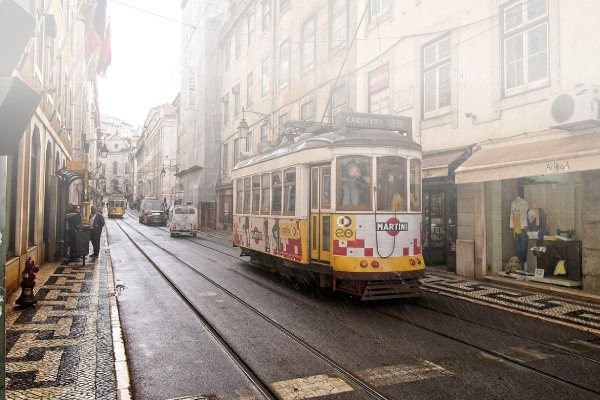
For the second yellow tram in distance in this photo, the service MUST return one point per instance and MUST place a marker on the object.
(342, 203)
(116, 206)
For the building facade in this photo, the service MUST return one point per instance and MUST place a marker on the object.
(156, 162)
(41, 183)
(503, 99)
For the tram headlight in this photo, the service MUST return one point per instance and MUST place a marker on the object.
(375, 264)
(364, 264)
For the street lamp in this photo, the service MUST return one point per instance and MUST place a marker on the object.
(244, 128)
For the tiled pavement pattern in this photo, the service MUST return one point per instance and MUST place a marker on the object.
(581, 315)
(62, 347)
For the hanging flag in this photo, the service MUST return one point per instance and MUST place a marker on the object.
(94, 38)
(105, 53)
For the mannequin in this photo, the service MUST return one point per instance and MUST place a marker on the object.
(518, 222)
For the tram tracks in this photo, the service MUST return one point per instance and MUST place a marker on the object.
(499, 354)
(262, 386)
(491, 352)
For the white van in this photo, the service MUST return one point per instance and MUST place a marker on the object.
(183, 220)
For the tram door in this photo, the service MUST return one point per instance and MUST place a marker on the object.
(320, 213)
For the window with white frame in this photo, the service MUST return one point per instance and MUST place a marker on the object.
(249, 141)
(524, 45)
(308, 45)
(338, 23)
(266, 14)
(236, 151)
(338, 99)
(378, 8)
(437, 59)
(283, 4)
(250, 89)
(225, 157)
(307, 111)
(226, 108)
(238, 44)
(227, 54)
(264, 132)
(236, 100)
(265, 81)
(283, 118)
(251, 28)
(284, 63)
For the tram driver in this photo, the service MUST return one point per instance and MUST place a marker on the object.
(354, 189)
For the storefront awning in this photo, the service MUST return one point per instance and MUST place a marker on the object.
(440, 164)
(549, 157)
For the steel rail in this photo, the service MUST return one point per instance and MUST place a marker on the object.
(338, 367)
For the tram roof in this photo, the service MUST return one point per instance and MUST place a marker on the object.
(351, 138)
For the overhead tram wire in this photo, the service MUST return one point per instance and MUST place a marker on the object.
(345, 58)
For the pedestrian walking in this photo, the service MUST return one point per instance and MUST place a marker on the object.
(73, 223)
(96, 225)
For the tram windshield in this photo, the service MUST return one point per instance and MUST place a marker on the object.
(391, 184)
(354, 181)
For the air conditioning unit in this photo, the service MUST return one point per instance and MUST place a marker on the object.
(577, 108)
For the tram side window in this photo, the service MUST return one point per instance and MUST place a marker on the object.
(255, 194)
(391, 184)
(266, 193)
(239, 186)
(415, 185)
(326, 187)
(276, 186)
(354, 181)
(314, 188)
(289, 191)
(246, 195)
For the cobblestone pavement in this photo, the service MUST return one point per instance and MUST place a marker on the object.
(62, 347)
(578, 314)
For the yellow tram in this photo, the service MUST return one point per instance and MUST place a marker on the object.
(116, 206)
(342, 203)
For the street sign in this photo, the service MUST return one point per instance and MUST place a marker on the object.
(75, 165)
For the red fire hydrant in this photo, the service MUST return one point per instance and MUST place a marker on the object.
(27, 284)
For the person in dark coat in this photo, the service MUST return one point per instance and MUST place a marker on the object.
(73, 223)
(96, 225)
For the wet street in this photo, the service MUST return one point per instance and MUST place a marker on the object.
(199, 320)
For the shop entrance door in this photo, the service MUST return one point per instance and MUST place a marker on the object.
(434, 237)
(320, 213)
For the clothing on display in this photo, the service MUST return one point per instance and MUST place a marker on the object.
(522, 245)
(536, 221)
(518, 214)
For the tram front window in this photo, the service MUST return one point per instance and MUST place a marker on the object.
(391, 184)
(354, 181)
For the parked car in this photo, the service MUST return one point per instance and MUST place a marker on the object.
(152, 213)
(183, 220)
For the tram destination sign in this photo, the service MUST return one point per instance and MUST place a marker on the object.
(375, 121)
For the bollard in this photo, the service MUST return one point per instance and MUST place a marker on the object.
(27, 298)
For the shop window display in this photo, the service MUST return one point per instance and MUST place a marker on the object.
(543, 220)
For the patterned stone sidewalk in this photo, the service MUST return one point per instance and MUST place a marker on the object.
(555, 308)
(62, 348)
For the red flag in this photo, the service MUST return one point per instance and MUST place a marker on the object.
(105, 53)
(92, 42)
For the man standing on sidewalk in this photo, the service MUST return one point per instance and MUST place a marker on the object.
(96, 225)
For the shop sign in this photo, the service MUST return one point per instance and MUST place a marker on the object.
(558, 167)
(379, 78)
(375, 121)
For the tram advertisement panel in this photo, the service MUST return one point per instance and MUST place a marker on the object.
(381, 235)
(281, 237)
